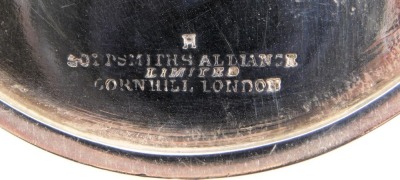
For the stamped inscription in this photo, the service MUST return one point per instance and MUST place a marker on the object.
(187, 72)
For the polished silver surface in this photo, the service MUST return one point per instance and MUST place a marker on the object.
(349, 161)
(205, 86)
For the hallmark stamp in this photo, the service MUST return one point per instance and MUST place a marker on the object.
(189, 40)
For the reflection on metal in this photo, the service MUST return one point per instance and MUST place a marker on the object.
(197, 89)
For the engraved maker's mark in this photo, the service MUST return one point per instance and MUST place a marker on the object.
(188, 72)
